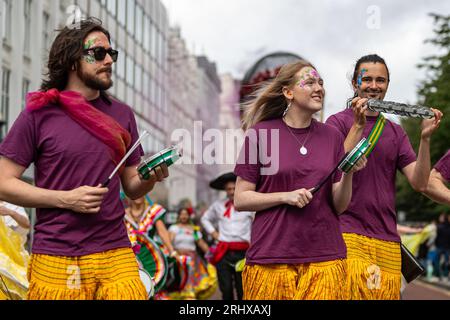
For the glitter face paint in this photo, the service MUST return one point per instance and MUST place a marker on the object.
(307, 74)
(89, 58)
(360, 77)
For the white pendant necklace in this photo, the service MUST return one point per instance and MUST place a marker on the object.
(303, 149)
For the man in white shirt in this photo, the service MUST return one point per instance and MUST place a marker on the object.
(233, 236)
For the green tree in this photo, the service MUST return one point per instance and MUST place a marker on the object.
(434, 91)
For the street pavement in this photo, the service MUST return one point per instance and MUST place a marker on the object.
(419, 290)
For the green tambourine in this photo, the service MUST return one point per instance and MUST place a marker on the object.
(168, 156)
(347, 163)
(352, 158)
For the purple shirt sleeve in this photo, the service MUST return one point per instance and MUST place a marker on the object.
(339, 125)
(136, 156)
(406, 154)
(248, 164)
(443, 166)
(20, 144)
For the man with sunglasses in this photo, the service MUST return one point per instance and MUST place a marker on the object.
(75, 134)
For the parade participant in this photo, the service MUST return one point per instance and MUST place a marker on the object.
(76, 135)
(370, 224)
(439, 177)
(186, 236)
(146, 218)
(14, 227)
(150, 239)
(232, 236)
(297, 250)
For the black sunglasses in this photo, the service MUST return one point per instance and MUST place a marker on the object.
(100, 53)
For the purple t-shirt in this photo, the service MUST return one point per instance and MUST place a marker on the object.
(288, 234)
(372, 210)
(66, 157)
(443, 166)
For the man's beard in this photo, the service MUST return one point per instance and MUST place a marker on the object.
(93, 82)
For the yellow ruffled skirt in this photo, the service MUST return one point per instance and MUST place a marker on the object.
(374, 268)
(110, 275)
(309, 281)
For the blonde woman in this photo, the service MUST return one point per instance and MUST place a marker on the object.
(297, 250)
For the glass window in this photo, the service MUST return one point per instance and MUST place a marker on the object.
(130, 71)
(145, 85)
(111, 5)
(147, 27)
(46, 32)
(6, 27)
(122, 12)
(120, 64)
(138, 77)
(25, 90)
(152, 91)
(4, 105)
(27, 25)
(154, 33)
(131, 4)
(139, 22)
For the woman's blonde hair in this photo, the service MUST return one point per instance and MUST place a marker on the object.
(269, 101)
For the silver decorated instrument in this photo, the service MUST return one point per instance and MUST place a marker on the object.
(401, 109)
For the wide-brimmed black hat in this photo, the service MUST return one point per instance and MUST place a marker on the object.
(220, 182)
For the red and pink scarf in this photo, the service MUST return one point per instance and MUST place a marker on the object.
(97, 123)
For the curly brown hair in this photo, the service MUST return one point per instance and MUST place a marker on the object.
(67, 50)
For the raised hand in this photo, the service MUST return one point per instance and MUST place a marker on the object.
(431, 125)
(359, 107)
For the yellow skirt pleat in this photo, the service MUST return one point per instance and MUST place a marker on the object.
(374, 268)
(310, 281)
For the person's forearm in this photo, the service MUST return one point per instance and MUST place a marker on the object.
(353, 137)
(164, 235)
(136, 188)
(437, 191)
(203, 245)
(342, 193)
(22, 194)
(255, 201)
(422, 168)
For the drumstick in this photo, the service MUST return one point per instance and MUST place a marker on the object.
(321, 183)
(138, 142)
(342, 162)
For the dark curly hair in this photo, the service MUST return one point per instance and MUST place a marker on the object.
(67, 50)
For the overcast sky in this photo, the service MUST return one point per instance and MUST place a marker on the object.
(330, 34)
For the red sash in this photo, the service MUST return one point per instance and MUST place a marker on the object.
(223, 247)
